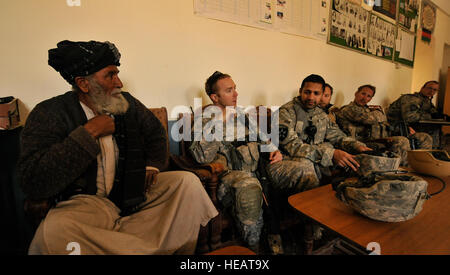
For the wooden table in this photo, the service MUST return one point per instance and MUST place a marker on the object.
(427, 233)
(232, 250)
(435, 122)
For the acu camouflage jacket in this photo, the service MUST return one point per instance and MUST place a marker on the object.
(362, 122)
(294, 118)
(411, 108)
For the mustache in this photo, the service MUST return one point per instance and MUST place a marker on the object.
(116, 91)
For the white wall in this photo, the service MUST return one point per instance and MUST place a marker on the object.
(429, 56)
(168, 52)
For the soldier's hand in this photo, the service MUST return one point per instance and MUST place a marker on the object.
(364, 149)
(344, 159)
(100, 126)
(275, 157)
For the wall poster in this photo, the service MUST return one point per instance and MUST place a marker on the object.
(408, 14)
(386, 7)
(349, 25)
(299, 17)
(381, 40)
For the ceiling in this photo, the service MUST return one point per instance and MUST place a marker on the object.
(444, 5)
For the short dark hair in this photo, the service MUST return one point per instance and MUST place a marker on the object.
(210, 85)
(373, 88)
(329, 86)
(428, 82)
(314, 78)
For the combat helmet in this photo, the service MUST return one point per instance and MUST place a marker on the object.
(377, 161)
(388, 197)
(430, 162)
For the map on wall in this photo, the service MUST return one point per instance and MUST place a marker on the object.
(299, 17)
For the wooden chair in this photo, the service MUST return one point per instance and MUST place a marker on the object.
(208, 175)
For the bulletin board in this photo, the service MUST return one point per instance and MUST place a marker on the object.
(388, 31)
(387, 8)
(405, 47)
(349, 25)
(381, 41)
(407, 24)
(408, 14)
(307, 18)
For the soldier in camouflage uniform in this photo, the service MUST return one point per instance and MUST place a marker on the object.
(410, 108)
(369, 125)
(308, 139)
(239, 187)
(325, 104)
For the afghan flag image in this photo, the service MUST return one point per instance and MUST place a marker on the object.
(426, 35)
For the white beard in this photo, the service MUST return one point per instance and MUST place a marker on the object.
(115, 103)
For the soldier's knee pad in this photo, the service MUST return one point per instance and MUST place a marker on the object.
(248, 203)
(400, 143)
(425, 140)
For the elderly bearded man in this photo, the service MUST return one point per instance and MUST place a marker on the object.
(96, 153)
(325, 102)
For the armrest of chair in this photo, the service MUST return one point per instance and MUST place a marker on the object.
(36, 210)
(206, 172)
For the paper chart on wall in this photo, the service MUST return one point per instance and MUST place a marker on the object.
(381, 41)
(299, 17)
(349, 25)
(406, 45)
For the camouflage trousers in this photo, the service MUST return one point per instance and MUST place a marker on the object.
(401, 145)
(428, 134)
(424, 140)
(242, 192)
(446, 143)
(294, 176)
(435, 134)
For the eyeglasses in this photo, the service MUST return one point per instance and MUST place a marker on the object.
(432, 89)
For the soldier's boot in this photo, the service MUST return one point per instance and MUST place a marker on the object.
(252, 233)
(275, 244)
(248, 209)
(313, 232)
(317, 232)
(424, 141)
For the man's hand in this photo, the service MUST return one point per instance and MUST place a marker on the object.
(344, 159)
(361, 149)
(100, 126)
(150, 177)
(275, 157)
